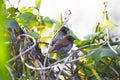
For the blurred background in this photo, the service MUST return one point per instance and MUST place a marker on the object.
(85, 13)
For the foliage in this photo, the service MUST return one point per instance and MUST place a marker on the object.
(4, 74)
(29, 34)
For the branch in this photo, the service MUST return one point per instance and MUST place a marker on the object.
(44, 43)
(10, 71)
(111, 68)
(83, 56)
(54, 64)
(108, 42)
(24, 52)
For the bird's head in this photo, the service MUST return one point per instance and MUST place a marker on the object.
(64, 29)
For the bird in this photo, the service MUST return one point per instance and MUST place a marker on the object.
(60, 34)
(62, 45)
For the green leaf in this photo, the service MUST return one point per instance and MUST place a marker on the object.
(97, 28)
(27, 19)
(107, 17)
(45, 39)
(42, 23)
(106, 24)
(27, 16)
(34, 34)
(76, 41)
(91, 37)
(22, 8)
(42, 30)
(99, 53)
(56, 26)
(38, 2)
(48, 22)
(53, 55)
(12, 10)
(4, 73)
(25, 9)
(2, 7)
(12, 23)
(82, 42)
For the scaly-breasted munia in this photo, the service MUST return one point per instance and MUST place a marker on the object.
(60, 34)
(62, 45)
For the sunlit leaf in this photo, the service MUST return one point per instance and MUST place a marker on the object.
(45, 39)
(12, 11)
(82, 43)
(38, 2)
(107, 17)
(61, 18)
(56, 26)
(53, 55)
(27, 19)
(4, 73)
(34, 34)
(97, 28)
(22, 8)
(48, 22)
(95, 73)
(25, 9)
(107, 23)
(83, 60)
(42, 23)
(42, 30)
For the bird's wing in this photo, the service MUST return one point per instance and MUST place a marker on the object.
(61, 43)
(56, 37)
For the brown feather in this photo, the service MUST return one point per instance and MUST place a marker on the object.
(63, 42)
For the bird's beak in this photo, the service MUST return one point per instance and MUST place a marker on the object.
(50, 50)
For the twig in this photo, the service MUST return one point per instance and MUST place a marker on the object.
(67, 18)
(10, 71)
(24, 52)
(76, 51)
(114, 70)
(111, 68)
(83, 56)
(55, 64)
(63, 65)
(44, 43)
(108, 42)
(45, 60)
(65, 59)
